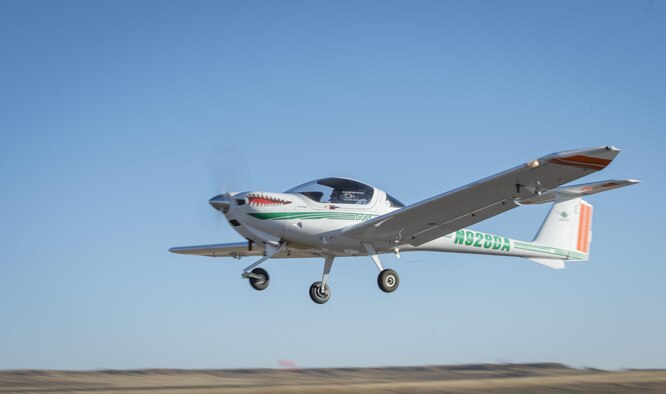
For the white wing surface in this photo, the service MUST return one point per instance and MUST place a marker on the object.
(241, 249)
(445, 213)
(236, 249)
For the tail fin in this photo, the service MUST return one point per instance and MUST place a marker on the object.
(568, 227)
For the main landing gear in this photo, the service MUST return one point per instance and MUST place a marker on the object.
(319, 291)
(320, 294)
(388, 280)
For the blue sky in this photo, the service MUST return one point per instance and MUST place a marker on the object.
(117, 116)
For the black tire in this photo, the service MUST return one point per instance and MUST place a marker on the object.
(262, 282)
(388, 281)
(318, 296)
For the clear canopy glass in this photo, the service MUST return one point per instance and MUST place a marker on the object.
(336, 190)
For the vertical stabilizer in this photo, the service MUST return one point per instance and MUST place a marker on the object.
(568, 227)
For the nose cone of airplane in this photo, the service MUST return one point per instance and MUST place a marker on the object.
(221, 202)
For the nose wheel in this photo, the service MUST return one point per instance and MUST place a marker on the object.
(320, 294)
(259, 279)
(388, 280)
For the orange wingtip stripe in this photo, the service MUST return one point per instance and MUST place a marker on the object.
(594, 163)
(588, 160)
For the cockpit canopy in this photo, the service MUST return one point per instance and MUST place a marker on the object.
(339, 191)
(336, 190)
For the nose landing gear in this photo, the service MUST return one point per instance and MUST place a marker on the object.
(259, 279)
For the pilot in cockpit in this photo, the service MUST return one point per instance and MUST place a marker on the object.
(347, 197)
(335, 196)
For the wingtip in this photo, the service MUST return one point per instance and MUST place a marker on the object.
(595, 159)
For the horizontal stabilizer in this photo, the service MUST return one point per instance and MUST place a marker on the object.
(569, 192)
(550, 263)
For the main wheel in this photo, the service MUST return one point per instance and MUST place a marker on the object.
(388, 281)
(319, 296)
(262, 281)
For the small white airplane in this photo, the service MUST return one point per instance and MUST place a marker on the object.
(334, 217)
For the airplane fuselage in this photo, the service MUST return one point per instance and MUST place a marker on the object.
(300, 222)
(303, 224)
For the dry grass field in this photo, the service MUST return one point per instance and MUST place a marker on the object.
(482, 378)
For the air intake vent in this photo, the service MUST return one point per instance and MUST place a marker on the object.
(234, 222)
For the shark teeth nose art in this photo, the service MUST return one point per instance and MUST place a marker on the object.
(263, 200)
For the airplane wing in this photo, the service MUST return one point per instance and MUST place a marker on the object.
(236, 249)
(459, 208)
(241, 249)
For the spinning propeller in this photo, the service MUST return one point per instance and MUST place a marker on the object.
(227, 167)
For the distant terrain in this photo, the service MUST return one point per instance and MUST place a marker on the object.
(480, 378)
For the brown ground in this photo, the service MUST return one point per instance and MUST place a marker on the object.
(482, 378)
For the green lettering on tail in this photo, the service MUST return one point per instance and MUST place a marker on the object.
(469, 238)
(488, 242)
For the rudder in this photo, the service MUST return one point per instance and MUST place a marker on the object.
(568, 227)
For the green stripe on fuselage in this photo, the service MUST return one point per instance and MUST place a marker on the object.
(311, 216)
(569, 254)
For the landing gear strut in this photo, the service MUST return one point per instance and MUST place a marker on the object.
(319, 291)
